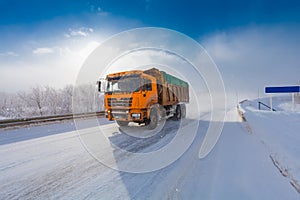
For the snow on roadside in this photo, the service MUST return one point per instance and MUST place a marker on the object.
(279, 131)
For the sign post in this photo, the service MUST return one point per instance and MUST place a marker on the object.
(293, 102)
(271, 103)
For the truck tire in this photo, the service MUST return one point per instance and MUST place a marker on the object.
(183, 111)
(153, 121)
(122, 123)
(178, 113)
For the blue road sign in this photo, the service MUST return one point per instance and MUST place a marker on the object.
(283, 89)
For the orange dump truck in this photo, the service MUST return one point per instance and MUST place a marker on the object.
(144, 97)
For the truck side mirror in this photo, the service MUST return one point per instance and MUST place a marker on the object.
(99, 86)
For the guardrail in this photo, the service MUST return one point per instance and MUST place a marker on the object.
(36, 120)
(261, 103)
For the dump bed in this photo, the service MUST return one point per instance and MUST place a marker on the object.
(171, 90)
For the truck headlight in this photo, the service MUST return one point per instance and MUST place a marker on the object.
(136, 115)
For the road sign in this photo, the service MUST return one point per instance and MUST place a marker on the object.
(283, 89)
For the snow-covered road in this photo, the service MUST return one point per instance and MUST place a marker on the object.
(57, 166)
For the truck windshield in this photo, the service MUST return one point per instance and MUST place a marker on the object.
(127, 84)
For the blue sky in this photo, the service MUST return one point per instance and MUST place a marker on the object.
(54, 36)
(194, 18)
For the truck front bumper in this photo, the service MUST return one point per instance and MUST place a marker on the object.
(126, 115)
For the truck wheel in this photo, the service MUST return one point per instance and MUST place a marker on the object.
(153, 121)
(122, 123)
(177, 115)
(183, 111)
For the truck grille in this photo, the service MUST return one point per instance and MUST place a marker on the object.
(122, 102)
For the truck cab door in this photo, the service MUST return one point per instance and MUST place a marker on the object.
(149, 94)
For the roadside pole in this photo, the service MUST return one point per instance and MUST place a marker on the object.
(271, 103)
(293, 102)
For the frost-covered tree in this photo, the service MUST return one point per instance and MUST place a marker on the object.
(66, 99)
(11, 106)
(52, 100)
(41, 101)
(84, 98)
(37, 97)
(35, 101)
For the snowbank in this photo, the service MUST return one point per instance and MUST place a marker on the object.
(279, 132)
(2, 118)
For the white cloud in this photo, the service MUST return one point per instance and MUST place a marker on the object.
(9, 53)
(81, 32)
(254, 57)
(43, 51)
(58, 70)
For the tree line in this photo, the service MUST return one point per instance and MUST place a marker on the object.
(46, 100)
